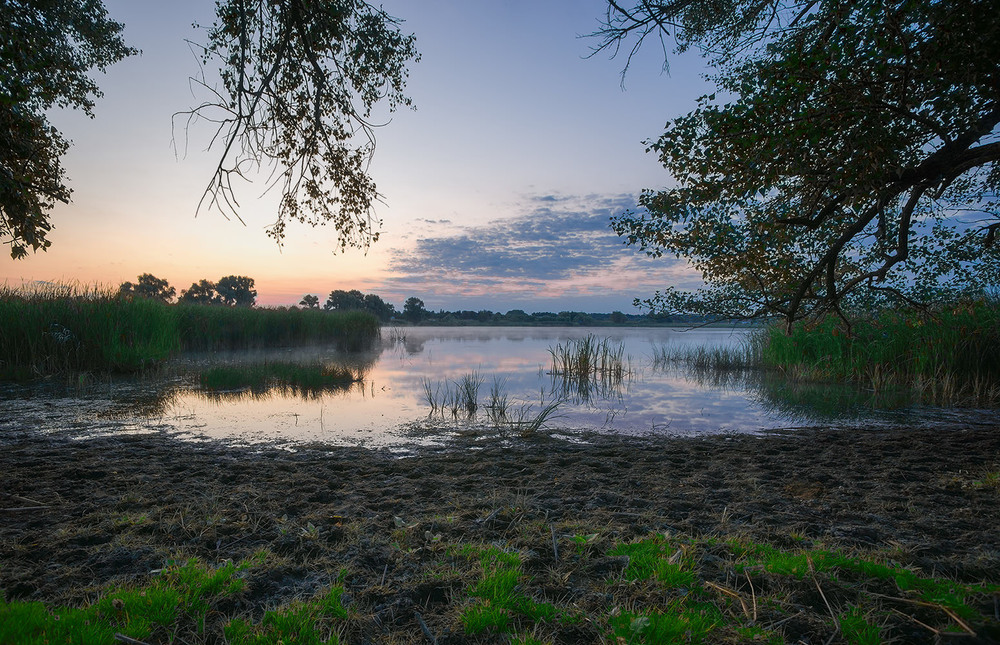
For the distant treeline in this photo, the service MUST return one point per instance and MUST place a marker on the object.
(238, 291)
(415, 312)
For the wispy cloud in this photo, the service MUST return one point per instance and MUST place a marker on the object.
(560, 249)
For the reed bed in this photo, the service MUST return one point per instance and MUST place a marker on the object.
(264, 376)
(745, 355)
(46, 332)
(949, 357)
(211, 328)
(66, 329)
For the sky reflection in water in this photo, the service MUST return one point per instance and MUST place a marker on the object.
(383, 409)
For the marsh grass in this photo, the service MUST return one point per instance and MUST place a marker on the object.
(308, 379)
(948, 357)
(585, 358)
(590, 368)
(459, 399)
(67, 329)
(745, 355)
(59, 330)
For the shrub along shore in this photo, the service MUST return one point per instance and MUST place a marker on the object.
(101, 331)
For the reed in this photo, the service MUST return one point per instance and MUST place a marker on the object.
(745, 355)
(951, 355)
(59, 329)
(212, 328)
(315, 377)
(51, 331)
(583, 358)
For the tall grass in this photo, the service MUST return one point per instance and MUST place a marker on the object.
(87, 329)
(208, 328)
(951, 356)
(745, 355)
(260, 379)
(45, 332)
(590, 366)
(586, 357)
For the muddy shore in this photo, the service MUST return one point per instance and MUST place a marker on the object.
(76, 515)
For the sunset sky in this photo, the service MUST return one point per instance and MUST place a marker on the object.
(497, 188)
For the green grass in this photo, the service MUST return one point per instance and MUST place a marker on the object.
(183, 600)
(951, 355)
(499, 601)
(589, 357)
(75, 330)
(670, 589)
(746, 355)
(265, 377)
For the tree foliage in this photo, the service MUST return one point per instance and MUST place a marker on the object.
(413, 309)
(201, 293)
(354, 300)
(236, 291)
(148, 286)
(299, 82)
(849, 154)
(47, 48)
(309, 301)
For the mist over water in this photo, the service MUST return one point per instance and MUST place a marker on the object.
(388, 406)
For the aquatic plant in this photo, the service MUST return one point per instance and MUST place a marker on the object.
(60, 328)
(262, 378)
(585, 357)
(950, 356)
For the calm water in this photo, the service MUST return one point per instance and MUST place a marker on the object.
(389, 408)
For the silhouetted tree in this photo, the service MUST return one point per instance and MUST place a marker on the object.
(310, 301)
(340, 300)
(851, 153)
(148, 286)
(298, 81)
(236, 291)
(413, 309)
(202, 293)
(47, 49)
(378, 307)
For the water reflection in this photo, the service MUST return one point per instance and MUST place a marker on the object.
(387, 397)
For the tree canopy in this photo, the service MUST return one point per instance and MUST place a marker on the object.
(848, 155)
(299, 81)
(47, 48)
(148, 286)
(236, 291)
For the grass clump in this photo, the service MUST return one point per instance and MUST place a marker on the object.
(181, 604)
(499, 601)
(585, 357)
(700, 358)
(261, 378)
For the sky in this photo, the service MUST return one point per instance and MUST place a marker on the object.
(497, 189)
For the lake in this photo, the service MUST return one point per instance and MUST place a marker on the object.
(392, 405)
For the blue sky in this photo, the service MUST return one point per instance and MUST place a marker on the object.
(498, 187)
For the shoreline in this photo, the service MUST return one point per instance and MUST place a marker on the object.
(111, 510)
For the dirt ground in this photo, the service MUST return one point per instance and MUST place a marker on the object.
(78, 514)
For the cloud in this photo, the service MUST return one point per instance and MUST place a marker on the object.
(558, 247)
